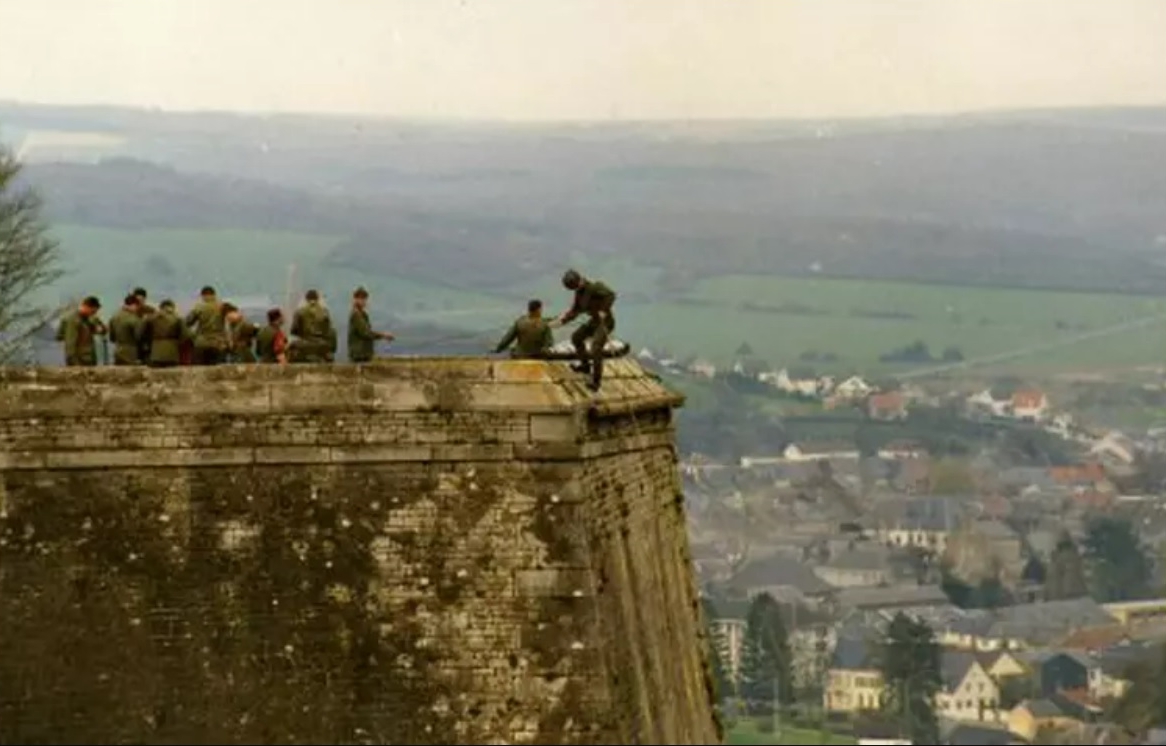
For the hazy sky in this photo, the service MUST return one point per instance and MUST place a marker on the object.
(585, 59)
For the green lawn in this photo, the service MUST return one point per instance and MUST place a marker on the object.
(746, 732)
(980, 321)
(711, 324)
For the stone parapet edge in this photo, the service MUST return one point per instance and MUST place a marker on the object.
(158, 458)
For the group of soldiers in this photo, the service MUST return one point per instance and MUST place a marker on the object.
(215, 332)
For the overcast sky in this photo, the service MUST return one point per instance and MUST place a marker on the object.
(586, 59)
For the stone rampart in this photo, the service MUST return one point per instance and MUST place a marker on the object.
(415, 551)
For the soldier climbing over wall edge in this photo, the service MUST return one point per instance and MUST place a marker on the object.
(595, 299)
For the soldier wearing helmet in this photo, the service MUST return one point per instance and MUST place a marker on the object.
(594, 299)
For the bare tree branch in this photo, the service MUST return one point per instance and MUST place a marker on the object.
(29, 263)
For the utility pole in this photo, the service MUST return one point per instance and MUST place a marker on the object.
(776, 705)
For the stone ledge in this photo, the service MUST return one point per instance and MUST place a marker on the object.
(163, 458)
(393, 385)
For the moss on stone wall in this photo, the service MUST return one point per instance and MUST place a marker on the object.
(413, 552)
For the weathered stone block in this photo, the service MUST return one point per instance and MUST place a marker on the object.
(413, 551)
(555, 427)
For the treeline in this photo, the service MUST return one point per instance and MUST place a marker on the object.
(930, 219)
(442, 247)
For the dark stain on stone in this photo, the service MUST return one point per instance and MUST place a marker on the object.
(447, 394)
(284, 604)
(272, 635)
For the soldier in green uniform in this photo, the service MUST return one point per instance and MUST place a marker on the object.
(146, 311)
(241, 334)
(79, 331)
(209, 328)
(531, 335)
(271, 342)
(316, 336)
(362, 338)
(596, 300)
(165, 331)
(125, 331)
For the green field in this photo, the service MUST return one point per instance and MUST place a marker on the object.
(856, 321)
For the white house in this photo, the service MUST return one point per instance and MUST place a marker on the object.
(1115, 446)
(1030, 404)
(819, 451)
(853, 388)
(1062, 425)
(985, 402)
(791, 385)
(901, 450)
(703, 368)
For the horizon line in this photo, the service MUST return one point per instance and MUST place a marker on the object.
(612, 122)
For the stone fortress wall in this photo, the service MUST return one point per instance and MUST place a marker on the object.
(413, 551)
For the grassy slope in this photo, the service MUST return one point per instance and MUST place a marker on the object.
(747, 733)
(979, 321)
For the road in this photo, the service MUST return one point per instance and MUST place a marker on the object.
(1001, 357)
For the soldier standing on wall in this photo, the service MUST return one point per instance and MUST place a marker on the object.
(596, 300)
(165, 332)
(209, 327)
(79, 331)
(531, 335)
(271, 342)
(362, 338)
(125, 330)
(314, 332)
(242, 335)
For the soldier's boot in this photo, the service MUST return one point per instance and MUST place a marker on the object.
(582, 363)
(596, 372)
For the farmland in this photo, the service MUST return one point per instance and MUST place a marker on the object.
(848, 323)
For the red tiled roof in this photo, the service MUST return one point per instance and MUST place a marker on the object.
(1097, 638)
(891, 400)
(1090, 472)
(1028, 398)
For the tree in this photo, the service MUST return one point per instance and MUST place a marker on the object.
(1066, 571)
(744, 350)
(723, 685)
(1016, 689)
(951, 477)
(765, 657)
(1143, 706)
(952, 355)
(911, 679)
(989, 593)
(28, 261)
(1118, 567)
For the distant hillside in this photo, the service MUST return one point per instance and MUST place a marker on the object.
(1066, 199)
